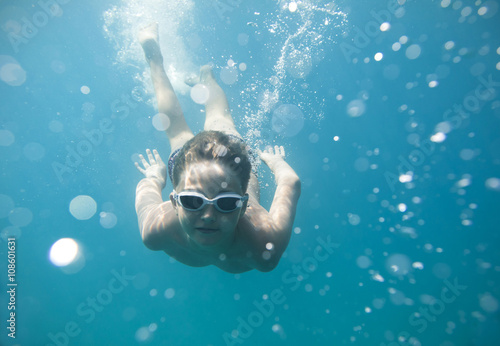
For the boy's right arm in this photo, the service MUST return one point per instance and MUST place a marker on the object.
(153, 213)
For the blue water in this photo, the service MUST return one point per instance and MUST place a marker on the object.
(395, 240)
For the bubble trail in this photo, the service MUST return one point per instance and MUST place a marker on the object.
(301, 48)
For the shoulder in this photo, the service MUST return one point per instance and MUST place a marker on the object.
(161, 227)
(255, 220)
(258, 239)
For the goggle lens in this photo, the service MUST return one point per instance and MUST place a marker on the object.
(191, 202)
(225, 204)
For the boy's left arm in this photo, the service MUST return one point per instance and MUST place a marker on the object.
(284, 205)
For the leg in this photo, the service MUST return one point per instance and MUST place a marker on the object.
(178, 132)
(218, 116)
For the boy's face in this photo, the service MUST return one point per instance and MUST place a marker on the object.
(209, 228)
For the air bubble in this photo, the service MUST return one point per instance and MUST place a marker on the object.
(56, 126)
(58, 66)
(7, 138)
(169, 293)
(200, 94)
(493, 184)
(108, 220)
(20, 217)
(398, 264)
(10, 232)
(243, 39)
(354, 219)
(438, 137)
(488, 303)
(385, 26)
(142, 334)
(287, 120)
(361, 164)
(229, 75)
(82, 207)
(161, 122)
(11, 72)
(363, 262)
(467, 154)
(356, 108)
(63, 252)
(413, 51)
(34, 151)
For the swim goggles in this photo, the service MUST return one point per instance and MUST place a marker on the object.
(225, 202)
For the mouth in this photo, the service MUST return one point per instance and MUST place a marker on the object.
(207, 230)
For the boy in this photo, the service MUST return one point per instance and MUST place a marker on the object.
(213, 216)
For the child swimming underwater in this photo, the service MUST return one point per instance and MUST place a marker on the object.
(213, 216)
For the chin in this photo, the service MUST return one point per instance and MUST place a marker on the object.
(212, 241)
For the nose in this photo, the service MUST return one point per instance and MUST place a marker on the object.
(209, 214)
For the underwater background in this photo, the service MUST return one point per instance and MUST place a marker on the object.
(389, 112)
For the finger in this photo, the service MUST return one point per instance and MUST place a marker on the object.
(276, 150)
(144, 162)
(139, 168)
(282, 151)
(157, 157)
(150, 157)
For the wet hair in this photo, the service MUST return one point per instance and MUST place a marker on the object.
(215, 146)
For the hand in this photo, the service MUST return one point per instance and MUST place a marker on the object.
(155, 168)
(271, 157)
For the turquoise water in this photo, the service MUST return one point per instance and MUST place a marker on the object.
(388, 112)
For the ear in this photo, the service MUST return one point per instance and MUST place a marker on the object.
(174, 202)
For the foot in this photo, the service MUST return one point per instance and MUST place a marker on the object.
(206, 76)
(148, 38)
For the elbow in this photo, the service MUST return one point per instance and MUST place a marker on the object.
(269, 264)
(297, 186)
(267, 267)
(151, 240)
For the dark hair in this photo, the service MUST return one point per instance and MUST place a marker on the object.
(228, 150)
